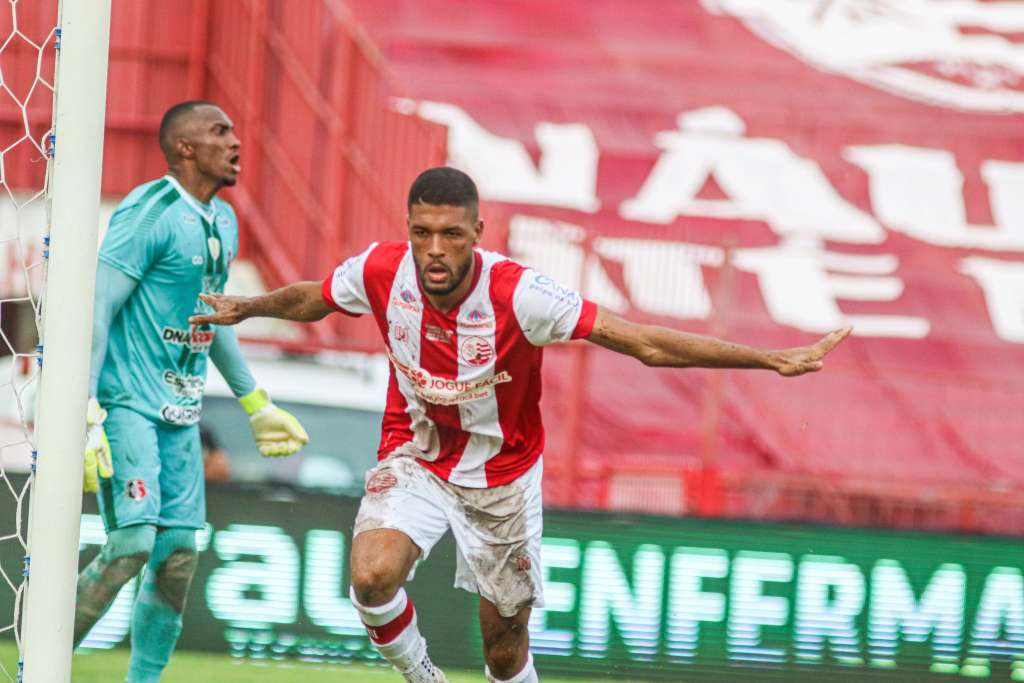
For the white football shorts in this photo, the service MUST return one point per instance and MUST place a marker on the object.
(497, 530)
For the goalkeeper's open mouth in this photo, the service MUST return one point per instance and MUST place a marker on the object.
(234, 162)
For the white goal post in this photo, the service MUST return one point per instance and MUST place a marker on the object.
(66, 332)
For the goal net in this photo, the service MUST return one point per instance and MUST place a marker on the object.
(28, 46)
(52, 102)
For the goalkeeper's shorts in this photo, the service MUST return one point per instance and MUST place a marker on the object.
(158, 474)
(497, 530)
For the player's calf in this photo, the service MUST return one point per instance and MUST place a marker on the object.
(122, 557)
(156, 619)
(506, 645)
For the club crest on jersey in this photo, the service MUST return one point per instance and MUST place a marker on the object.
(136, 489)
(476, 351)
(477, 318)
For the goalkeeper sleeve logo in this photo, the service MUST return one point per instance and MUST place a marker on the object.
(137, 489)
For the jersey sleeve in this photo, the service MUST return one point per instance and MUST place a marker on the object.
(132, 246)
(549, 312)
(345, 288)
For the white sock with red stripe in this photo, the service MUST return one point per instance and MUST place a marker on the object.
(392, 628)
(527, 675)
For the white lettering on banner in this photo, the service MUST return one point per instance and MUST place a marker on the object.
(830, 595)
(764, 179)
(1003, 285)
(799, 289)
(750, 608)
(919, 49)
(689, 605)
(895, 611)
(999, 622)
(559, 597)
(660, 277)
(920, 192)
(322, 596)
(503, 169)
(607, 595)
(275, 577)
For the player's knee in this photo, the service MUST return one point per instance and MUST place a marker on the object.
(376, 580)
(506, 645)
(174, 560)
(127, 550)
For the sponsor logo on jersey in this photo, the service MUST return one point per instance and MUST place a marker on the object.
(188, 217)
(197, 260)
(186, 386)
(445, 391)
(438, 334)
(381, 482)
(180, 415)
(476, 351)
(222, 221)
(550, 288)
(136, 489)
(477, 318)
(197, 340)
(406, 300)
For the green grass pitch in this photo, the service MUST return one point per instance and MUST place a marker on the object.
(192, 667)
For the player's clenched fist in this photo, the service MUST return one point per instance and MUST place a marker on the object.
(97, 448)
(276, 431)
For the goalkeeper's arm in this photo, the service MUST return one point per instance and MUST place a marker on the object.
(113, 287)
(276, 431)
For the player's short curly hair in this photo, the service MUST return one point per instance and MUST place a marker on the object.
(443, 185)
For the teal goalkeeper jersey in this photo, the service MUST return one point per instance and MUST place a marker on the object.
(176, 248)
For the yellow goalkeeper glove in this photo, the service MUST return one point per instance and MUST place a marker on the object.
(97, 449)
(276, 431)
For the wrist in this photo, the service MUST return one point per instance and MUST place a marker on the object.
(255, 401)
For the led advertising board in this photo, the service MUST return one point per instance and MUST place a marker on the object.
(643, 597)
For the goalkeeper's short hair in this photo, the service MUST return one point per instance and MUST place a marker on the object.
(171, 119)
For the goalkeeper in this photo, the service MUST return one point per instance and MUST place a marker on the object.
(169, 241)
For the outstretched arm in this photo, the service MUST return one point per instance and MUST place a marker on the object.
(664, 347)
(301, 301)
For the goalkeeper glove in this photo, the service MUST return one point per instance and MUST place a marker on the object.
(276, 431)
(97, 448)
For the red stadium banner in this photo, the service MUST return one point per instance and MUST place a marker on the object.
(768, 172)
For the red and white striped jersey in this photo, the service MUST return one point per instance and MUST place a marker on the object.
(464, 391)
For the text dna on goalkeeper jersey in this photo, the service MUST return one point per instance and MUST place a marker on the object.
(176, 248)
(465, 385)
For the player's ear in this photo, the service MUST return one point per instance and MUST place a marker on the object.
(479, 231)
(184, 149)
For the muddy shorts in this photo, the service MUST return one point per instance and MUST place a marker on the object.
(497, 530)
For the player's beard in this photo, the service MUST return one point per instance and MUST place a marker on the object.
(453, 284)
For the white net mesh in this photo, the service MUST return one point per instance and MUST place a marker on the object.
(28, 44)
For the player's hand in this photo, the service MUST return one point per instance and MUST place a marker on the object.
(97, 449)
(804, 359)
(276, 431)
(227, 310)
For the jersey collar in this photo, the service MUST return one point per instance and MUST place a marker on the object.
(207, 211)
